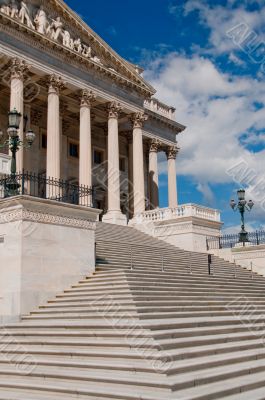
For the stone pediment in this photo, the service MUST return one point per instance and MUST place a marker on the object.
(56, 23)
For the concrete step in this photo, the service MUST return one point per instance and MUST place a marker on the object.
(110, 391)
(219, 390)
(116, 313)
(78, 376)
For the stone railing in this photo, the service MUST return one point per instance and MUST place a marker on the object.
(160, 108)
(185, 210)
(5, 161)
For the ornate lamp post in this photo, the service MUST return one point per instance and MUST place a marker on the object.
(242, 206)
(14, 143)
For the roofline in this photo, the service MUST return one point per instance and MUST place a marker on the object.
(101, 42)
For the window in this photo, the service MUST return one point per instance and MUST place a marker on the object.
(44, 141)
(73, 150)
(98, 157)
(122, 165)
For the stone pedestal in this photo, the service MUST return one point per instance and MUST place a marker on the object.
(187, 232)
(45, 247)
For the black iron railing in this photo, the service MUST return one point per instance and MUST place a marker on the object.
(47, 188)
(229, 241)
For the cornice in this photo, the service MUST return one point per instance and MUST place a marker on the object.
(102, 45)
(175, 126)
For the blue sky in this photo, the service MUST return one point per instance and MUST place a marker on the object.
(206, 58)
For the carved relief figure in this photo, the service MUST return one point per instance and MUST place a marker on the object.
(24, 15)
(41, 21)
(86, 51)
(67, 40)
(14, 9)
(42, 24)
(5, 9)
(78, 46)
(55, 29)
(97, 60)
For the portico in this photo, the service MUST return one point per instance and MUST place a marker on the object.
(95, 117)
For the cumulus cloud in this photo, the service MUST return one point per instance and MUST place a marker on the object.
(217, 108)
(221, 19)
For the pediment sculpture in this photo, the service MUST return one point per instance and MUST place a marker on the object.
(51, 28)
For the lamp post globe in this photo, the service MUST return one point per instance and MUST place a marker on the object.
(242, 206)
(14, 143)
(30, 137)
(14, 118)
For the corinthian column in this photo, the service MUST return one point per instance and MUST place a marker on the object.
(85, 162)
(114, 214)
(172, 177)
(53, 128)
(153, 174)
(138, 163)
(18, 71)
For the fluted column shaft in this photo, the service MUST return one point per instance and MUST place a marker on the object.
(114, 214)
(113, 160)
(130, 177)
(85, 160)
(53, 128)
(172, 177)
(18, 70)
(153, 175)
(138, 164)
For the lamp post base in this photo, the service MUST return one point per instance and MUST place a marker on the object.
(243, 237)
(12, 188)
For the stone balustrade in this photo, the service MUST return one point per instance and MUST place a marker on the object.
(185, 210)
(160, 108)
(4, 164)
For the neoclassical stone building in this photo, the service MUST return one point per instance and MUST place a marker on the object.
(96, 120)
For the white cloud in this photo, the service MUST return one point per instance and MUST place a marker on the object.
(217, 109)
(221, 19)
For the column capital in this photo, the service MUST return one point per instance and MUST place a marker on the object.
(55, 83)
(139, 119)
(114, 109)
(172, 152)
(154, 146)
(18, 68)
(87, 98)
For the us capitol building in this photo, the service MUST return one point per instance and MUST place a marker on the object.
(102, 310)
(96, 121)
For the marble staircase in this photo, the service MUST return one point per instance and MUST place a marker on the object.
(150, 324)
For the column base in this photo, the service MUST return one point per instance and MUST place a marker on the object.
(115, 217)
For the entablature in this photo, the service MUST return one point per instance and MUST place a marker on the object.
(54, 27)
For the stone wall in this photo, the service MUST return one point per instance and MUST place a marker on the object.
(45, 247)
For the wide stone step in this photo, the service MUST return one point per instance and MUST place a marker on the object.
(156, 280)
(114, 314)
(255, 394)
(142, 309)
(98, 353)
(110, 391)
(126, 365)
(219, 390)
(164, 286)
(103, 343)
(205, 350)
(175, 273)
(76, 376)
(217, 374)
